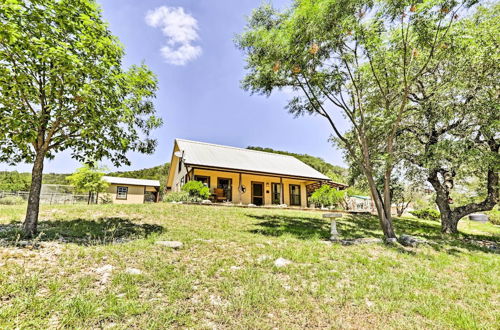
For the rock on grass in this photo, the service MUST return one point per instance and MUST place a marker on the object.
(170, 244)
(282, 262)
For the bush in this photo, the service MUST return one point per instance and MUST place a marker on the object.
(429, 214)
(327, 196)
(11, 200)
(181, 196)
(196, 189)
(106, 199)
(494, 216)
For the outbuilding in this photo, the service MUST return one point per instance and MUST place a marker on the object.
(132, 191)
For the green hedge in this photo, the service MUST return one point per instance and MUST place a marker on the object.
(429, 214)
(494, 217)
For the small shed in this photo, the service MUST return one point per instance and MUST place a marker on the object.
(132, 191)
(358, 203)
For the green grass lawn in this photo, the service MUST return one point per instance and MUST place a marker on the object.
(224, 276)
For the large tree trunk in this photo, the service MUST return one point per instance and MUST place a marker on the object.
(384, 218)
(31, 220)
(450, 217)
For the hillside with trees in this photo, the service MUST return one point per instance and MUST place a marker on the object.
(336, 173)
(152, 173)
(15, 181)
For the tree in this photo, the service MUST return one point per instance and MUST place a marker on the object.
(452, 136)
(196, 189)
(14, 181)
(353, 56)
(88, 179)
(402, 195)
(62, 87)
(327, 196)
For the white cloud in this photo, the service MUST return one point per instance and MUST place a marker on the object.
(181, 30)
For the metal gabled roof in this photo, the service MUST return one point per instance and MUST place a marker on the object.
(225, 157)
(131, 181)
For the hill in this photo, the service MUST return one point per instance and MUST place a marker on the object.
(152, 173)
(247, 268)
(15, 181)
(336, 173)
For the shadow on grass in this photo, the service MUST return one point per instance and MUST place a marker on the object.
(367, 226)
(300, 227)
(80, 231)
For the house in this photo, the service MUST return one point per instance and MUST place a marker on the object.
(132, 191)
(244, 176)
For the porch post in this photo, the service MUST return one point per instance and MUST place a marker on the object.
(239, 188)
(282, 194)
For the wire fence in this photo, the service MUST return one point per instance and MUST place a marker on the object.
(50, 198)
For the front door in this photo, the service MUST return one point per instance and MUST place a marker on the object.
(226, 185)
(257, 193)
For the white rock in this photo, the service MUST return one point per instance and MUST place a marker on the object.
(282, 262)
(133, 271)
(170, 244)
(263, 257)
(104, 269)
(206, 201)
(235, 267)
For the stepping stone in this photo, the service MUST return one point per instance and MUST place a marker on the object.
(133, 271)
(104, 269)
(170, 244)
(282, 262)
(412, 241)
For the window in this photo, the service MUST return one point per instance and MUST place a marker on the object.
(295, 195)
(180, 164)
(276, 193)
(203, 179)
(121, 192)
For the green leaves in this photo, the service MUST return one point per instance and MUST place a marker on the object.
(88, 179)
(62, 85)
(327, 196)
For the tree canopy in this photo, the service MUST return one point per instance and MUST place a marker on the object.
(362, 58)
(88, 178)
(451, 138)
(62, 87)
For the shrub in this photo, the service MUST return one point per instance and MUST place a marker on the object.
(196, 189)
(327, 196)
(106, 199)
(494, 216)
(180, 196)
(11, 200)
(429, 214)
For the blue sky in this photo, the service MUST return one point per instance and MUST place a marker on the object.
(199, 69)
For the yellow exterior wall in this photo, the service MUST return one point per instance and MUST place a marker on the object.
(247, 180)
(177, 175)
(135, 194)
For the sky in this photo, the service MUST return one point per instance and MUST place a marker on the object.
(189, 45)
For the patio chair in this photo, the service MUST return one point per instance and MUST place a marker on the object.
(219, 195)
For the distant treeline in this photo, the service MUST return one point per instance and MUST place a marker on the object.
(336, 173)
(15, 181)
(152, 173)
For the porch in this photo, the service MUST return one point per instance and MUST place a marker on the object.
(260, 189)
